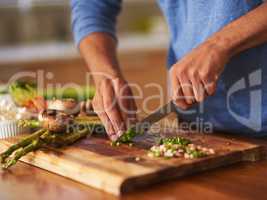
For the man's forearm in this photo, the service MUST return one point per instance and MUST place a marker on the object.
(246, 32)
(99, 52)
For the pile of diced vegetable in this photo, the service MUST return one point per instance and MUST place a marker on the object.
(179, 147)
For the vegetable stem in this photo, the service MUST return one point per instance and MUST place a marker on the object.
(26, 141)
(34, 145)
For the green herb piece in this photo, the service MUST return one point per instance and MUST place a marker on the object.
(196, 153)
(175, 140)
(128, 136)
(31, 123)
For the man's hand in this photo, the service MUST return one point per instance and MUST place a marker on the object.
(194, 77)
(113, 101)
(115, 106)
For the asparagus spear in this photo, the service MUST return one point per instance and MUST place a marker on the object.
(63, 139)
(34, 145)
(44, 138)
(36, 141)
(26, 141)
(30, 123)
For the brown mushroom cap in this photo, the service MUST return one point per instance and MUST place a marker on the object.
(69, 106)
(55, 121)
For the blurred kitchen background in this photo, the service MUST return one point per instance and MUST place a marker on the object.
(36, 35)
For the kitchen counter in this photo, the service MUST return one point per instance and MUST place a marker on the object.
(241, 181)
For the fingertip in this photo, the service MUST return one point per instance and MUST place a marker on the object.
(189, 101)
(211, 89)
(198, 99)
(181, 105)
(184, 107)
(120, 133)
(113, 137)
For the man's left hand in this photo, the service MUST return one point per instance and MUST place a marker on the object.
(195, 76)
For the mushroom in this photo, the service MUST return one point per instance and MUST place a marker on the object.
(55, 121)
(71, 106)
(68, 106)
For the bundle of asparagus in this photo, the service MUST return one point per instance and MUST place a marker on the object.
(44, 138)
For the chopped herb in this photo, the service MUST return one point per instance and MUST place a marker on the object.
(126, 138)
(178, 147)
(175, 140)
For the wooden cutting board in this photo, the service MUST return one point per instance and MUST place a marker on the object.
(117, 170)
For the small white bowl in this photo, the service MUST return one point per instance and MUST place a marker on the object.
(10, 128)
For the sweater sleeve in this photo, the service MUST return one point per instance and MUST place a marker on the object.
(89, 16)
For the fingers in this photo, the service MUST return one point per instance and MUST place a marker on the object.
(209, 85)
(210, 88)
(99, 109)
(115, 106)
(112, 109)
(177, 93)
(126, 102)
(189, 87)
(198, 89)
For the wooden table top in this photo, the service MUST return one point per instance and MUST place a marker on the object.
(241, 181)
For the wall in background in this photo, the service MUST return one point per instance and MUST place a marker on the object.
(46, 20)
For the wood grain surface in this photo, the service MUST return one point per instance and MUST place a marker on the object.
(95, 163)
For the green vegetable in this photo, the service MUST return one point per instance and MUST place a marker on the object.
(126, 138)
(23, 143)
(176, 147)
(80, 94)
(30, 123)
(38, 140)
(175, 140)
(64, 139)
(196, 153)
(22, 92)
(34, 145)
(43, 138)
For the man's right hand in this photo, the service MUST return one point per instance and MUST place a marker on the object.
(115, 105)
(113, 101)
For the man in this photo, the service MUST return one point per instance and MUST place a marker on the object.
(217, 47)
